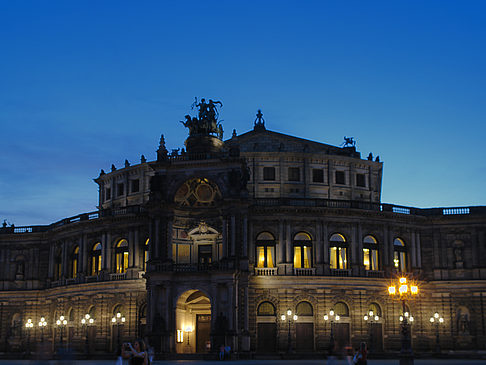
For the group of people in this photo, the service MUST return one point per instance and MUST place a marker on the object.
(137, 353)
(360, 356)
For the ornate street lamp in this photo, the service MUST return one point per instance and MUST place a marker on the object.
(42, 325)
(86, 322)
(61, 323)
(118, 320)
(289, 317)
(436, 320)
(371, 318)
(332, 317)
(403, 291)
(28, 326)
(188, 330)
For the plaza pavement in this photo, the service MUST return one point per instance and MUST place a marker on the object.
(247, 362)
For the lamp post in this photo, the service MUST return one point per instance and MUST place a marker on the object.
(42, 325)
(28, 326)
(405, 292)
(61, 323)
(188, 330)
(86, 322)
(371, 318)
(118, 320)
(332, 317)
(289, 318)
(436, 320)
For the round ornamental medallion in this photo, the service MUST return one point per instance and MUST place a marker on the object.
(198, 192)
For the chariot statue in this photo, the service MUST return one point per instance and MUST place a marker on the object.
(206, 122)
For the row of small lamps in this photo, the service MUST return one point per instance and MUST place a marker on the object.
(87, 319)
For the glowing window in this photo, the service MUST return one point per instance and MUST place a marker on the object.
(338, 254)
(302, 251)
(265, 250)
(341, 309)
(96, 259)
(74, 262)
(370, 253)
(400, 255)
(121, 256)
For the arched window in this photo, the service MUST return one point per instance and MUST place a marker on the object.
(74, 262)
(375, 308)
(400, 255)
(146, 254)
(121, 256)
(96, 259)
(266, 309)
(338, 252)
(302, 251)
(304, 309)
(370, 253)
(58, 264)
(341, 309)
(265, 250)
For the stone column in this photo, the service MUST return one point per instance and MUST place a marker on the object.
(139, 246)
(225, 238)
(288, 245)
(325, 237)
(319, 242)
(385, 245)
(245, 236)
(65, 261)
(280, 248)
(233, 235)
(84, 249)
(419, 253)
(251, 245)
(131, 249)
(360, 245)
(169, 240)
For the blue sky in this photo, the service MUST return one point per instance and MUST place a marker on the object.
(84, 84)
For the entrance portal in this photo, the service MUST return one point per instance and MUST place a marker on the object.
(193, 322)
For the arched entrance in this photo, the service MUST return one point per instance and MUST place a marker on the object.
(193, 322)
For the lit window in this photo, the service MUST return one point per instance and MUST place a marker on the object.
(338, 252)
(146, 254)
(96, 259)
(265, 250)
(121, 253)
(370, 253)
(400, 255)
(74, 262)
(302, 251)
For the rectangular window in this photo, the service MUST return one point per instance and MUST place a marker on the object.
(108, 194)
(340, 178)
(399, 260)
(121, 262)
(338, 258)
(302, 257)
(318, 175)
(294, 174)
(269, 173)
(120, 189)
(135, 186)
(265, 256)
(360, 180)
(370, 259)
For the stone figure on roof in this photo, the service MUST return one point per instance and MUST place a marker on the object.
(206, 123)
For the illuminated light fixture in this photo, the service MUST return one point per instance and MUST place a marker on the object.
(403, 289)
(403, 280)
(414, 289)
(392, 290)
(180, 336)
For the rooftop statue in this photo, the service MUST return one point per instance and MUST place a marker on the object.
(348, 142)
(206, 123)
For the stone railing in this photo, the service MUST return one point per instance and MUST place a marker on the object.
(340, 272)
(304, 271)
(265, 271)
(375, 274)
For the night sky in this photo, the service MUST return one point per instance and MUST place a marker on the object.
(84, 84)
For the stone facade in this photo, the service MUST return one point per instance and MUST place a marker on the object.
(213, 245)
